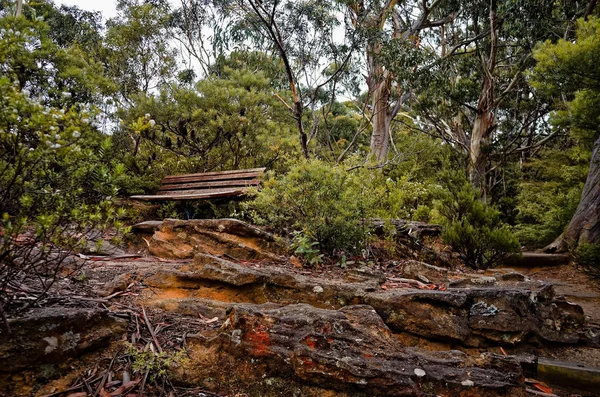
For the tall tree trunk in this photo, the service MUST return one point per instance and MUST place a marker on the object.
(380, 101)
(480, 139)
(585, 224)
(483, 125)
(298, 112)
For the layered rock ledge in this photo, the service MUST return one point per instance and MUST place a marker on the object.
(506, 312)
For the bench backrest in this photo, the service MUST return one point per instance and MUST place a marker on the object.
(235, 181)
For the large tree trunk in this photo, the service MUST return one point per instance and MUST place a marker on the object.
(380, 138)
(483, 125)
(480, 138)
(585, 224)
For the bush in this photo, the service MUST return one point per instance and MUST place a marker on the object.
(55, 184)
(326, 203)
(588, 256)
(472, 228)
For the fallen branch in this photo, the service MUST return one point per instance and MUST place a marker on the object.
(540, 393)
(152, 333)
(106, 374)
(408, 281)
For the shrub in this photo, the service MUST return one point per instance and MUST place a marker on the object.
(54, 184)
(472, 228)
(326, 203)
(587, 255)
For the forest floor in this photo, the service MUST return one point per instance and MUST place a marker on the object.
(171, 310)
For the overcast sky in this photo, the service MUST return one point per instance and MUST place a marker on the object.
(106, 7)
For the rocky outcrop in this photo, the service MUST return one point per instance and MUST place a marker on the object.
(352, 350)
(506, 312)
(51, 335)
(182, 239)
(480, 317)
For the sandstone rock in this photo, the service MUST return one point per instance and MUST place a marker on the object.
(102, 247)
(352, 350)
(146, 227)
(227, 237)
(119, 283)
(474, 316)
(261, 285)
(193, 307)
(416, 270)
(51, 335)
(469, 281)
(483, 316)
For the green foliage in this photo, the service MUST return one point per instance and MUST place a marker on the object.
(137, 49)
(157, 365)
(329, 203)
(325, 202)
(55, 181)
(588, 256)
(306, 248)
(222, 124)
(568, 70)
(168, 210)
(472, 228)
(549, 193)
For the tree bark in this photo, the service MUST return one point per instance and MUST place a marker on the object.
(585, 224)
(480, 138)
(382, 118)
(483, 125)
(19, 8)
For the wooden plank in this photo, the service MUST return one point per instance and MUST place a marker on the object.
(200, 191)
(203, 185)
(170, 197)
(221, 174)
(200, 178)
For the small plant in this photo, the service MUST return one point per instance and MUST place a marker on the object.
(168, 210)
(157, 365)
(588, 256)
(305, 248)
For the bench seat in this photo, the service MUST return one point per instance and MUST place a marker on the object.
(205, 185)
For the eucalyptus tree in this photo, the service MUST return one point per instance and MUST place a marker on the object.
(390, 30)
(203, 33)
(478, 97)
(139, 56)
(303, 35)
(228, 122)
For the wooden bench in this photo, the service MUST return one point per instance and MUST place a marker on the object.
(206, 185)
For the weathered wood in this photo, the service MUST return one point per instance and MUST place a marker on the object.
(202, 191)
(572, 375)
(201, 178)
(537, 259)
(219, 175)
(190, 196)
(205, 185)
